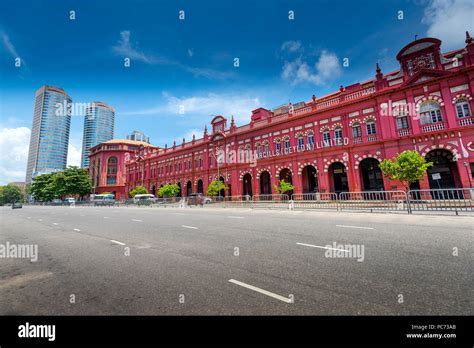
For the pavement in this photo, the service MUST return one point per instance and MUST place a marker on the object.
(235, 261)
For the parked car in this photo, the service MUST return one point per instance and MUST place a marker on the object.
(56, 201)
(70, 200)
(195, 199)
(207, 200)
(105, 199)
(17, 205)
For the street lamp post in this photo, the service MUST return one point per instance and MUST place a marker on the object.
(466, 165)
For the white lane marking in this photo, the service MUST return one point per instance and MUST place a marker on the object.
(137, 220)
(82, 215)
(55, 223)
(360, 227)
(321, 247)
(40, 219)
(178, 213)
(265, 292)
(235, 217)
(106, 217)
(192, 227)
(77, 230)
(117, 242)
(29, 217)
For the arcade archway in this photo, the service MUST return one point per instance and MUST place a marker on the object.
(338, 177)
(247, 185)
(310, 179)
(265, 183)
(444, 172)
(372, 178)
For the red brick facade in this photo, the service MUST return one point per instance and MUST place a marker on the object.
(334, 143)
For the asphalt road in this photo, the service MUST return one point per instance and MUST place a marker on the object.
(204, 261)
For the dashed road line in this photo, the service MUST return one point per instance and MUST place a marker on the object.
(191, 227)
(76, 229)
(136, 220)
(55, 223)
(321, 247)
(265, 292)
(235, 217)
(117, 242)
(360, 227)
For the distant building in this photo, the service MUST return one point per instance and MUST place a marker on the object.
(138, 136)
(107, 164)
(49, 132)
(98, 128)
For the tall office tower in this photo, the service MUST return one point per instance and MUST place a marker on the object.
(98, 128)
(138, 136)
(50, 132)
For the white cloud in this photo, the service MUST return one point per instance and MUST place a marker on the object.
(205, 106)
(291, 46)
(326, 68)
(74, 154)
(126, 49)
(448, 21)
(9, 47)
(14, 144)
(190, 52)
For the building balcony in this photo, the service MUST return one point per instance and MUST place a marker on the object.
(433, 127)
(372, 137)
(358, 140)
(465, 121)
(404, 132)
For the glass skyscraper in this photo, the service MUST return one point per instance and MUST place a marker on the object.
(49, 133)
(98, 128)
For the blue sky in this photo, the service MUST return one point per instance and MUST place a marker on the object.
(190, 62)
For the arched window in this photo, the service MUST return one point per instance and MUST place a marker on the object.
(430, 112)
(300, 142)
(259, 150)
(241, 154)
(326, 137)
(112, 171)
(277, 146)
(356, 130)
(311, 140)
(338, 135)
(247, 153)
(370, 127)
(462, 108)
(287, 144)
(266, 148)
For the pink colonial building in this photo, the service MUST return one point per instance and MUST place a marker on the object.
(335, 143)
(107, 165)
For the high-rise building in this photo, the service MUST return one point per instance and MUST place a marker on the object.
(98, 128)
(138, 136)
(50, 132)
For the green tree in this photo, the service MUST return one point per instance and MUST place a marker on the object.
(76, 181)
(168, 190)
(72, 181)
(215, 188)
(407, 167)
(42, 188)
(283, 187)
(139, 190)
(10, 194)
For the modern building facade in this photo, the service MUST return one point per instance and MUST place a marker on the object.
(107, 165)
(99, 122)
(335, 143)
(49, 139)
(138, 136)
